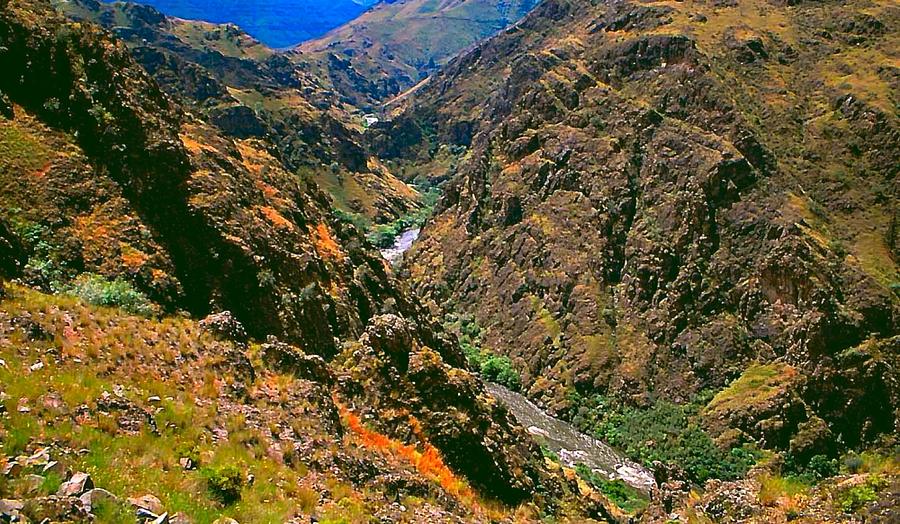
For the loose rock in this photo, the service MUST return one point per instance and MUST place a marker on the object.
(75, 486)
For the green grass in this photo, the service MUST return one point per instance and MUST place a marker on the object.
(756, 385)
(113, 512)
(776, 487)
(854, 498)
(111, 346)
(20, 151)
(627, 498)
(51, 484)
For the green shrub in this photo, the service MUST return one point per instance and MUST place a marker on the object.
(664, 431)
(500, 370)
(495, 368)
(853, 463)
(96, 290)
(817, 468)
(821, 467)
(224, 482)
(852, 499)
(550, 454)
(361, 222)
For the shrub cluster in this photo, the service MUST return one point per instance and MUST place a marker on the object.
(224, 482)
(621, 494)
(98, 291)
(665, 432)
(817, 468)
(495, 368)
(853, 498)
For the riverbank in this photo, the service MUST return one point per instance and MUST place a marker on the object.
(572, 446)
(401, 245)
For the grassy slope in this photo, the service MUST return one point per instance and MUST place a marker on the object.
(280, 429)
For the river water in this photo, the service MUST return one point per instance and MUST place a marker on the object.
(572, 446)
(402, 243)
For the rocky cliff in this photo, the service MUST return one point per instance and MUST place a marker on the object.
(649, 199)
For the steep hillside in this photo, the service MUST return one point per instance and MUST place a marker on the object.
(655, 201)
(167, 416)
(125, 220)
(394, 45)
(250, 91)
(673, 224)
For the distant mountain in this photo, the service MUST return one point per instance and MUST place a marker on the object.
(396, 44)
(280, 23)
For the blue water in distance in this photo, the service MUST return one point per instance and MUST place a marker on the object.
(276, 23)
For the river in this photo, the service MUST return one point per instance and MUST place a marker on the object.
(402, 243)
(572, 446)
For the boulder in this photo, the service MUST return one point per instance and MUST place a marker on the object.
(180, 518)
(10, 510)
(130, 418)
(393, 336)
(54, 509)
(55, 467)
(225, 326)
(12, 469)
(291, 360)
(147, 502)
(89, 499)
(40, 457)
(31, 484)
(79, 483)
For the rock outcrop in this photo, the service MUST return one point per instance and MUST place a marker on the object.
(412, 391)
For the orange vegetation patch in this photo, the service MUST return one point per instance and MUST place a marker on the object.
(133, 258)
(42, 172)
(429, 462)
(93, 228)
(192, 145)
(267, 190)
(253, 159)
(325, 244)
(273, 216)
